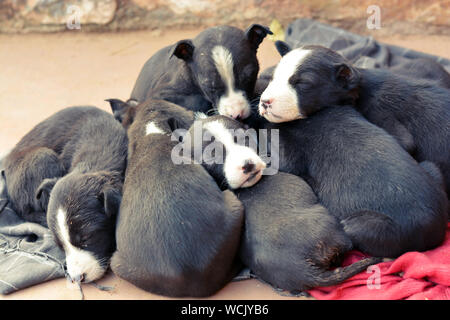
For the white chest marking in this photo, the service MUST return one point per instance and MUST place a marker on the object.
(151, 128)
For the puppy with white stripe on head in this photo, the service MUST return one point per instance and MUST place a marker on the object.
(217, 69)
(414, 110)
(69, 171)
(279, 99)
(387, 203)
(177, 233)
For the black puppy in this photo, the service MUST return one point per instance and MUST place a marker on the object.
(387, 203)
(217, 69)
(71, 166)
(177, 233)
(290, 240)
(416, 112)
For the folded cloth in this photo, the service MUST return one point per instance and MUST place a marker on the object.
(412, 276)
(364, 52)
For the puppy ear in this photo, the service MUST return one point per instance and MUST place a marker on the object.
(256, 34)
(282, 47)
(173, 124)
(45, 187)
(111, 199)
(346, 76)
(118, 108)
(184, 49)
(42, 193)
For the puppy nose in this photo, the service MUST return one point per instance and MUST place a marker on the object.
(248, 166)
(78, 278)
(266, 103)
(238, 115)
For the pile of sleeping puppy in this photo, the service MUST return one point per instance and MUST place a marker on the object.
(363, 160)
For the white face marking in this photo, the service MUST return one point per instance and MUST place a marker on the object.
(236, 158)
(79, 262)
(233, 103)
(151, 128)
(283, 97)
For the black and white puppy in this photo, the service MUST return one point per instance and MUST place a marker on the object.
(217, 69)
(223, 146)
(415, 111)
(387, 203)
(177, 233)
(290, 240)
(263, 81)
(71, 166)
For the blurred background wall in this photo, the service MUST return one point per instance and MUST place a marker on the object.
(398, 16)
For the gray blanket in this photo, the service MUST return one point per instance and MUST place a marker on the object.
(28, 252)
(363, 51)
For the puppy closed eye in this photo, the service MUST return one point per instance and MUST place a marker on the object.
(302, 83)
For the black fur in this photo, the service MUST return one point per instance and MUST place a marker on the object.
(177, 232)
(184, 73)
(290, 240)
(424, 68)
(263, 81)
(74, 161)
(387, 203)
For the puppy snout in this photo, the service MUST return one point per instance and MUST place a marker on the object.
(78, 278)
(248, 166)
(237, 115)
(266, 103)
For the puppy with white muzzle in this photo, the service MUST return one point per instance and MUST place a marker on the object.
(222, 149)
(177, 233)
(69, 170)
(387, 203)
(217, 69)
(414, 110)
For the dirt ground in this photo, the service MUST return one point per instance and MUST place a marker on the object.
(41, 74)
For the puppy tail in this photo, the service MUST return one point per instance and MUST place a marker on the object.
(338, 275)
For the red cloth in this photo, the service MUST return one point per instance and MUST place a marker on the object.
(413, 275)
